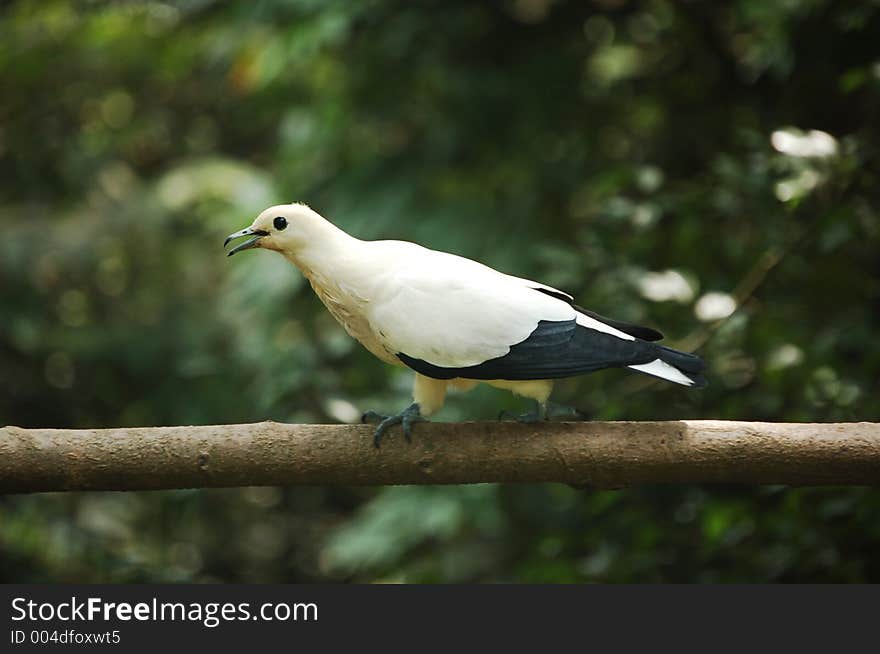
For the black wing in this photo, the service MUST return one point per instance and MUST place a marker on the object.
(555, 349)
(644, 333)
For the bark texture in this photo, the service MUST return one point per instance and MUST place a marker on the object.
(598, 454)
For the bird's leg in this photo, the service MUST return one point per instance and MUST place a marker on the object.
(406, 418)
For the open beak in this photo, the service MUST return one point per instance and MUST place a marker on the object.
(257, 234)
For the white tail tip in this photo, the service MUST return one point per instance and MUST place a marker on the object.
(663, 370)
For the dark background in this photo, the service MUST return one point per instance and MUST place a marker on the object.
(666, 162)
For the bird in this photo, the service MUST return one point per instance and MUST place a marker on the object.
(454, 321)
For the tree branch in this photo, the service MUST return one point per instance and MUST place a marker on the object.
(599, 454)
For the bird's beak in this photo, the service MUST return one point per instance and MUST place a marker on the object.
(248, 244)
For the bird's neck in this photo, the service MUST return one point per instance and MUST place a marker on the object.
(326, 252)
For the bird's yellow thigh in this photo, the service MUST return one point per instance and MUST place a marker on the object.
(463, 385)
(536, 389)
(429, 394)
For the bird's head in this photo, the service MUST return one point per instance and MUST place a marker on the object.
(285, 228)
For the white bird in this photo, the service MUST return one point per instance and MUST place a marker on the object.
(454, 321)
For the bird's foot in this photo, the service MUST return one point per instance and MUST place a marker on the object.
(566, 413)
(538, 415)
(578, 415)
(406, 419)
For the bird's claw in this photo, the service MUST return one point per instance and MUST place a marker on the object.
(538, 415)
(406, 419)
(370, 417)
(504, 414)
(531, 418)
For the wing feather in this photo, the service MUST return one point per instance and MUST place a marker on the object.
(446, 316)
(454, 312)
(553, 350)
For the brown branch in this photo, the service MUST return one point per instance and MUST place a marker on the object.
(600, 454)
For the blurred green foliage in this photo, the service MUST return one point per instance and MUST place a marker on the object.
(663, 161)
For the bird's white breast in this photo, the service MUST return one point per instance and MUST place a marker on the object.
(348, 307)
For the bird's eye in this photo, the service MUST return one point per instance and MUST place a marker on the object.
(280, 223)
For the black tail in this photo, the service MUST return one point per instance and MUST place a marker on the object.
(690, 364)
